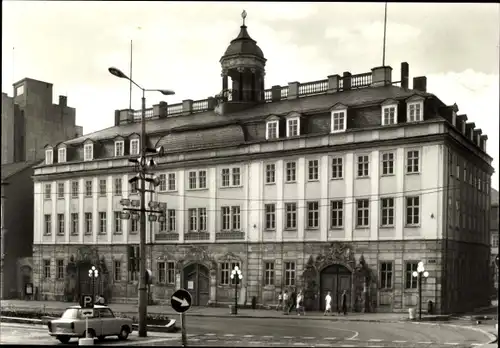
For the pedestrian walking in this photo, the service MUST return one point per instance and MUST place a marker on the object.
(344, 302)
(293, 300)
(280, 301)
(328, 303)
(300, 304)
(285, 302)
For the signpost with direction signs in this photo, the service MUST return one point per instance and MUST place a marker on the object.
(181, 302)
(86, 301)
(87, 304)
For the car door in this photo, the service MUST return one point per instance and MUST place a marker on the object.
(94, 322)
(108, 323)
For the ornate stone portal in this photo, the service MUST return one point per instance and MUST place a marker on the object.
(77, 279)
(200, 254)
(340, 254)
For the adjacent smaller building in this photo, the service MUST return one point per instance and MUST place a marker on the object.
(494, 236)
(17, 228)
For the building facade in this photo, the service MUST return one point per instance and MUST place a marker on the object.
(17, 228)
(345, 183)
(30, 121)
(494, 237)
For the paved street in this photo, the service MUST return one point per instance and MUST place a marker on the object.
(266, 332)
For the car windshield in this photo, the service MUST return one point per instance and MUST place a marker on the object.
(70, 313)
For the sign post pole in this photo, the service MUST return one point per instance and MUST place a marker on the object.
(181, 302)
(87, 326)
(183, 329)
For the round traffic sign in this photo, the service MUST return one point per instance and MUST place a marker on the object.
(181, 301)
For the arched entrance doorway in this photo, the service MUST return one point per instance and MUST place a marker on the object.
(197, 282)
(335, 278)
(84, 283)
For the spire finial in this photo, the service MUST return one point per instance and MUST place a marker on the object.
(244, 15)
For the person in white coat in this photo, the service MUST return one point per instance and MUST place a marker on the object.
(300, 303)
(328, 303)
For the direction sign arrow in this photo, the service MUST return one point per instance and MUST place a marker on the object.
(183, 301)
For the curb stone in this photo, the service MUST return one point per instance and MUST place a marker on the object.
(493, 338)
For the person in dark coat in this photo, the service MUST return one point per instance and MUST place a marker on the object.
(344, 302)
(293, 300)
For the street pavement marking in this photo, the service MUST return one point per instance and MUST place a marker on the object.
(397, 341)
(210, 334)
(288, 337)
(267, 336)
(255, 342)
(477, 344)
(248, 336)
(347, 345)
(229, 335)
(308, 338)
(424, 342)
(194, 339)
(211, 340)
(322, 345)
(330, 338)
(374, 340)
(351, 339)
(452, 344)
(299, 344)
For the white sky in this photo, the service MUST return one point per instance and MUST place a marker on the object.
(177, 45)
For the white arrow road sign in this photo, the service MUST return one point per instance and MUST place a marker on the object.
(183, 301)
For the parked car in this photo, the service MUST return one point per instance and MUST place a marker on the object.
(103, 323)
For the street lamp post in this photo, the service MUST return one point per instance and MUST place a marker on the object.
(419, 274)
(93, 274)
(142, 163)
(237, 276)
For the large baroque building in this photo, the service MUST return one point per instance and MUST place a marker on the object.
(343, 183)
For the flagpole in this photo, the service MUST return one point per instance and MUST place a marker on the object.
(385, 28)
(130, 79)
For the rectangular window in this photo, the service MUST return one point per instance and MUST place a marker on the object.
(192, 180)
(291, 171)
(48, 225)
(193, 220)
(412, 161)
(202, 213)
(388, 163)
(134, 226)
(163, 182)
(172, 186)
(291, 216)
(117, 270)
(225, 177)
(46, 269)
(385, 275)
(171, 220)
(292, 129)
(236, 177)
(363, 212)
(102, 187)
(415, 112)
(225, 272)
(412, 211)
(61, 157)
(290, 273)
(450, 163)
(88, 152)
(389, 115)
(336, 214)
(494, 240)
(410, 280)
(465, 172)
(88, 188)
(270, 222)
(337, 168)
(60, 190)
(118, 186)
(134, 189)
(48, 191)
(313, 170)
(162, 271)
(74, 223)
(118, 222)
(269, 273)
(134, 146)
(88, 223)
(60, 269)
(236, 218)
(270, 173)
(102, 222)
(170, 272)
(119, 148)
(60, 224)
(387, 212)
(363, 166)
(312, 214)
(202, 179)
(338, 121)
(226, 218)
(163, 226)
(49, 156)
(272, 130)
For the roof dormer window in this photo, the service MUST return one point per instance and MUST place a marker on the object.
(88, 152)
(134, 146)
(49, 156)
(414, 112)
(61, 155)
(389, 115)
(272, 130)
(119, 148)
(338, 122)
(293, 127)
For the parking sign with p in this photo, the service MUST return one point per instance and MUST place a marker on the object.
(86, 301)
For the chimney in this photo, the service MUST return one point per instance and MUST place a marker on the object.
(484, 137)
(63, 101)
(293, 90)
(346, 78)
(405, 75)
(276, 93)
(461, 120)
(469, 130)
(333, 83)
(187, 106)
(117, 117)
(477, 136)
(420, 83)
(381, 76)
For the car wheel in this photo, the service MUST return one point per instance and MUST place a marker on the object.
(90, 335)
(63, 339)
(123, 335)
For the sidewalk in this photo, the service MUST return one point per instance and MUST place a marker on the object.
(54, 306)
